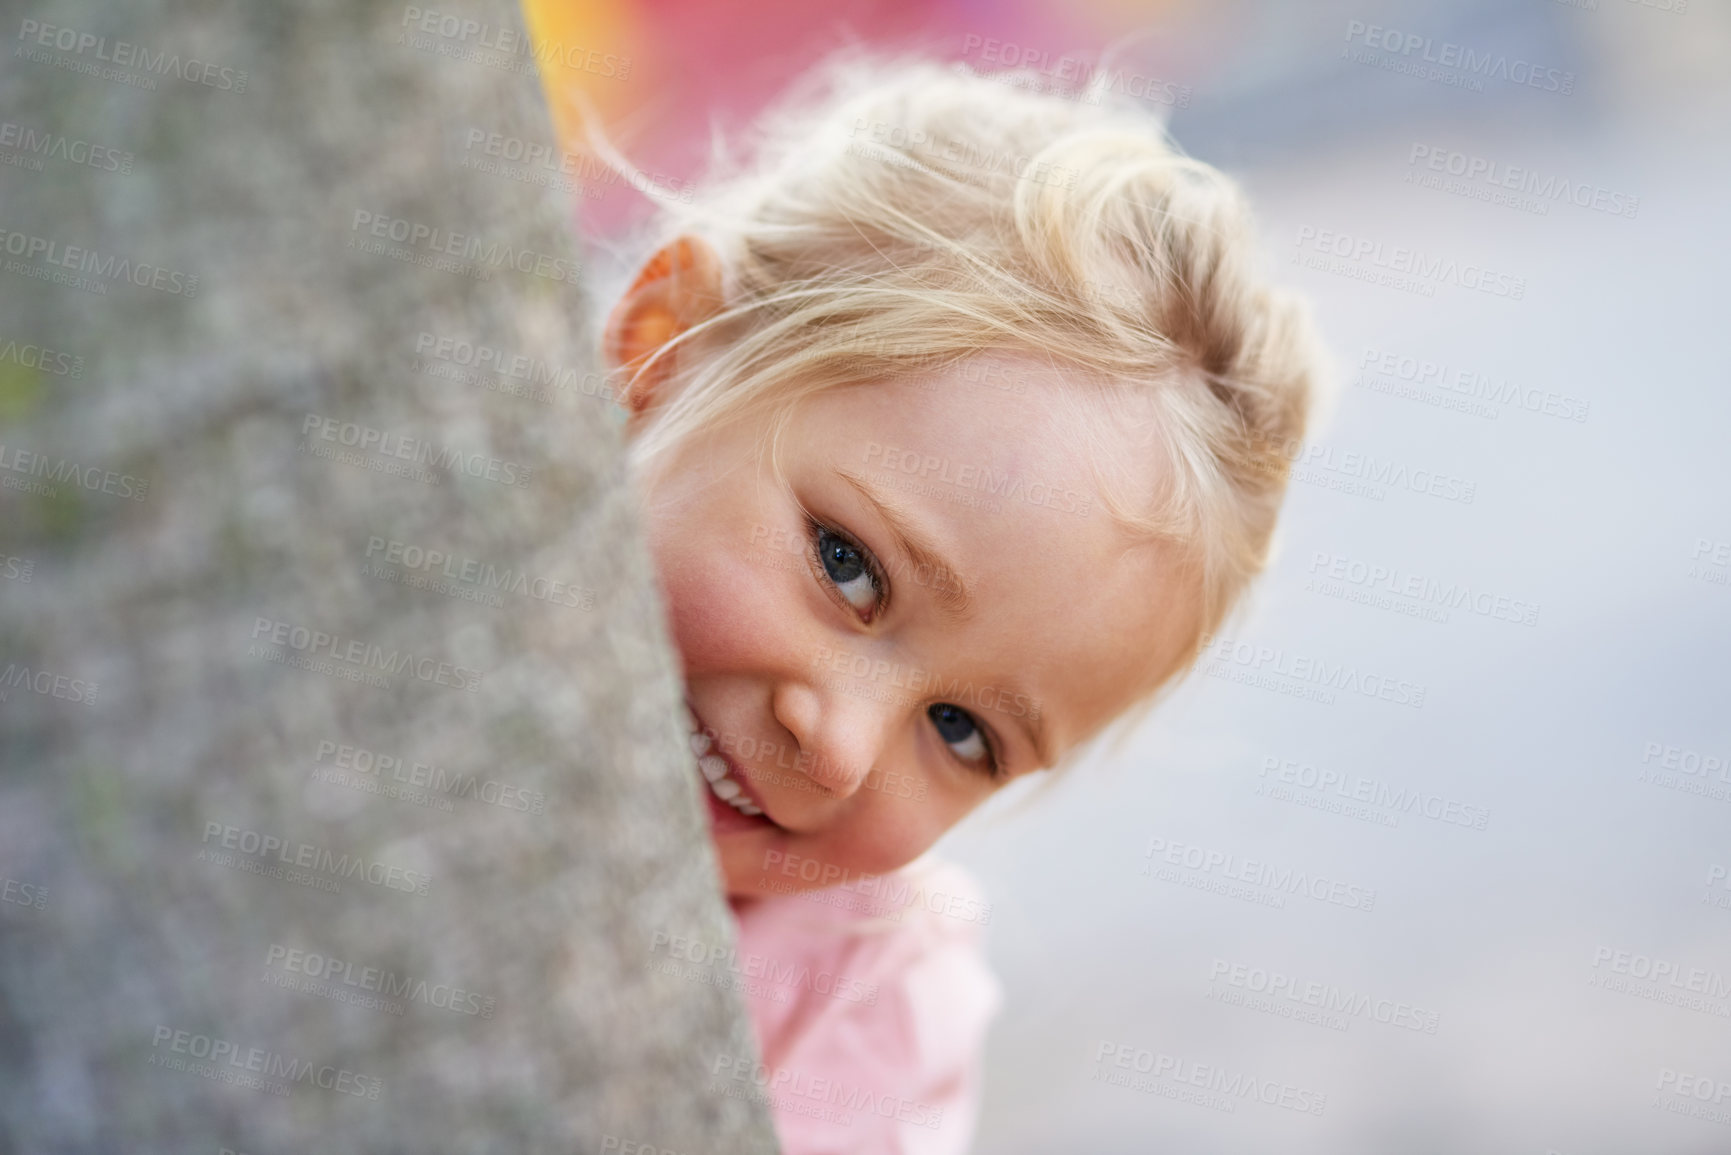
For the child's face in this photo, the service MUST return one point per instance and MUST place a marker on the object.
(850, 693)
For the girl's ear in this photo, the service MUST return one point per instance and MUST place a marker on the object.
(676, 289)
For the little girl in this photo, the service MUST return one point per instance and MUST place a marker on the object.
(959, 412)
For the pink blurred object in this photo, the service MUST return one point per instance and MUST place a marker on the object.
(695, 64)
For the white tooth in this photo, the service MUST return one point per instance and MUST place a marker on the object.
(724, 788)
(714, 767)
(700, 744)
(750, 808)
(739, 801)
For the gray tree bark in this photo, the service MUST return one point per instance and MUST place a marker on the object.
(345, 802)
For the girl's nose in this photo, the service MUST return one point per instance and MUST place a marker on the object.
(840, 736)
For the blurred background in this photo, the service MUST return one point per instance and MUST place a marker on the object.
(1431, 853)
(1518, 514)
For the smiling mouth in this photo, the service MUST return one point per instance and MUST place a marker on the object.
(726, 783)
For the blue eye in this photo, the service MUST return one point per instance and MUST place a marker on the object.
(850, 568)
(959, 731)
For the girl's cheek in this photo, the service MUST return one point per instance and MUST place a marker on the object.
(724, 613)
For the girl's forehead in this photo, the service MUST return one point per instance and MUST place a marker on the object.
(997, 420)
(1013, 410)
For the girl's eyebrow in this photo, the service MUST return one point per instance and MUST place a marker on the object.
(952, 596)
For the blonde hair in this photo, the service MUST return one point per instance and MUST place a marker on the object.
(895, 218)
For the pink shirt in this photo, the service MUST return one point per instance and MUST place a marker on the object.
(871, 1009)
